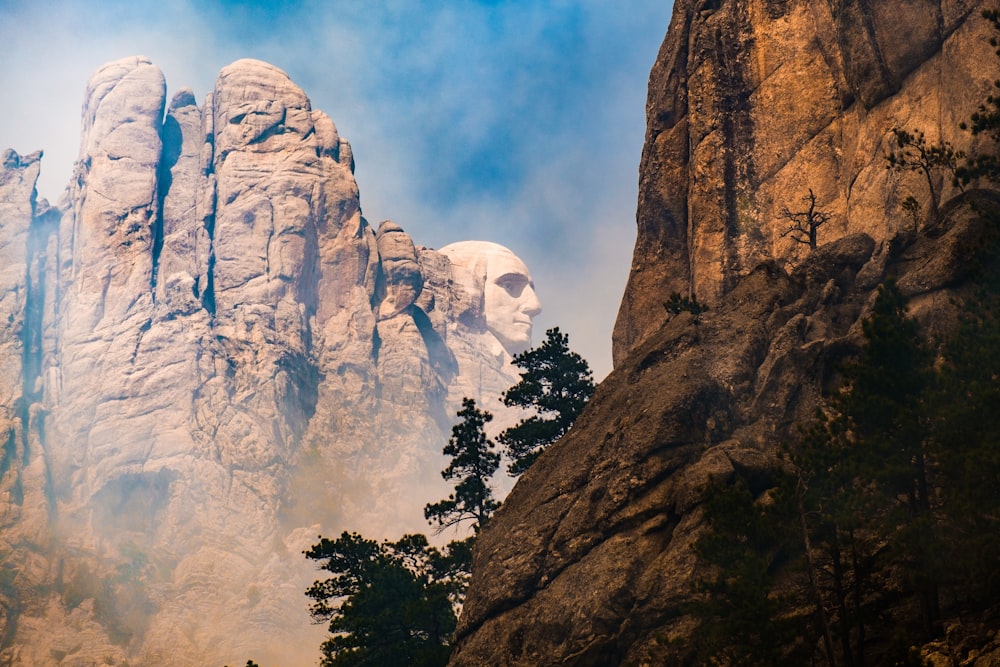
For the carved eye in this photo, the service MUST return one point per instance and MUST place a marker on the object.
(513, 283)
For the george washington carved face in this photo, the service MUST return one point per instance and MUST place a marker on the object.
(508, 294)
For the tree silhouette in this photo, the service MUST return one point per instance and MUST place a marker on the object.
(556, 383)
(474, 459)
(913, 153)
(387, 603)
(803, 224)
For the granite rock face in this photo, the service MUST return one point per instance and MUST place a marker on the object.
(752, 103)
(209, 357)
(590, 560)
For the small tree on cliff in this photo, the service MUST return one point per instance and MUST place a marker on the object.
(556, 383)
(912, 152)
(804, 224)
(474, 459)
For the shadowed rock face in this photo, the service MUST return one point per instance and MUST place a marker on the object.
(751, 104)
(209, 357)
(589, 561)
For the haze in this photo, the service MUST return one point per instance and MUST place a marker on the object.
(515, 122)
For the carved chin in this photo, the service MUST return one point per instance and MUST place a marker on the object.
(514, 342)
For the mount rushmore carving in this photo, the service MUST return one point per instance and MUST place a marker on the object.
(209, 356)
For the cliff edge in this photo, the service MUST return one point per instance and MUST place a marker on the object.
(752, 105)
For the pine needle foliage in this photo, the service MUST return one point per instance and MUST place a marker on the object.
(474, 459)
(556, 383)
(386, 603)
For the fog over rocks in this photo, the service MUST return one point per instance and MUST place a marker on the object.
(209, 357)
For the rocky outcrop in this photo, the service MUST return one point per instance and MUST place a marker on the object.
(209, 357)
(752, 104)
(590, 559)
(24, 488)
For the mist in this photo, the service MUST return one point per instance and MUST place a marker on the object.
(172, 463)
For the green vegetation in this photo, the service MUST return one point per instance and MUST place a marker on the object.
(386, 603)
(396, 603)
(742, 619)
(678, 304)
(985, 121)
(474, 460)
(556, 383)
(912, 152)
(890, 506)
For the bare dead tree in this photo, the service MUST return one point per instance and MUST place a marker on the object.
(805, 223)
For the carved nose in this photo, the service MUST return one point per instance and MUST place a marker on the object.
(531, 305)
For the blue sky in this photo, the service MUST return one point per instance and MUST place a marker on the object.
(519, 122)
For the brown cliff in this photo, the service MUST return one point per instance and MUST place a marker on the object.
(752, 103)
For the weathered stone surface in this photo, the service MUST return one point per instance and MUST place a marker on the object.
(752, 104)
(209, 357)
(17, 184)
(185, 183)
(401, 280)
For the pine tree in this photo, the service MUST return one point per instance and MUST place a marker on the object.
(888, 420)
(556, 383)
(395, 603)
(835, 512)
(742, 620)
(863, 491)
(966, 441)
(386, 603)
(474, 459)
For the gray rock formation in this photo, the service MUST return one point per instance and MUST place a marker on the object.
(209, 357)
(752, 103)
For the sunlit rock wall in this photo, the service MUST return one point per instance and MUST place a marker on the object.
(752, 103)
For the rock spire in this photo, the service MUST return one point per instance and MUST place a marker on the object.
(210, 356)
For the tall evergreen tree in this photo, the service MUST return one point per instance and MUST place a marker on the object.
(888, 421)
(835, 511)
(743, 620)
(474, 459)
(966, 442)
(394, 603)
(863, 494)
(556, 384)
